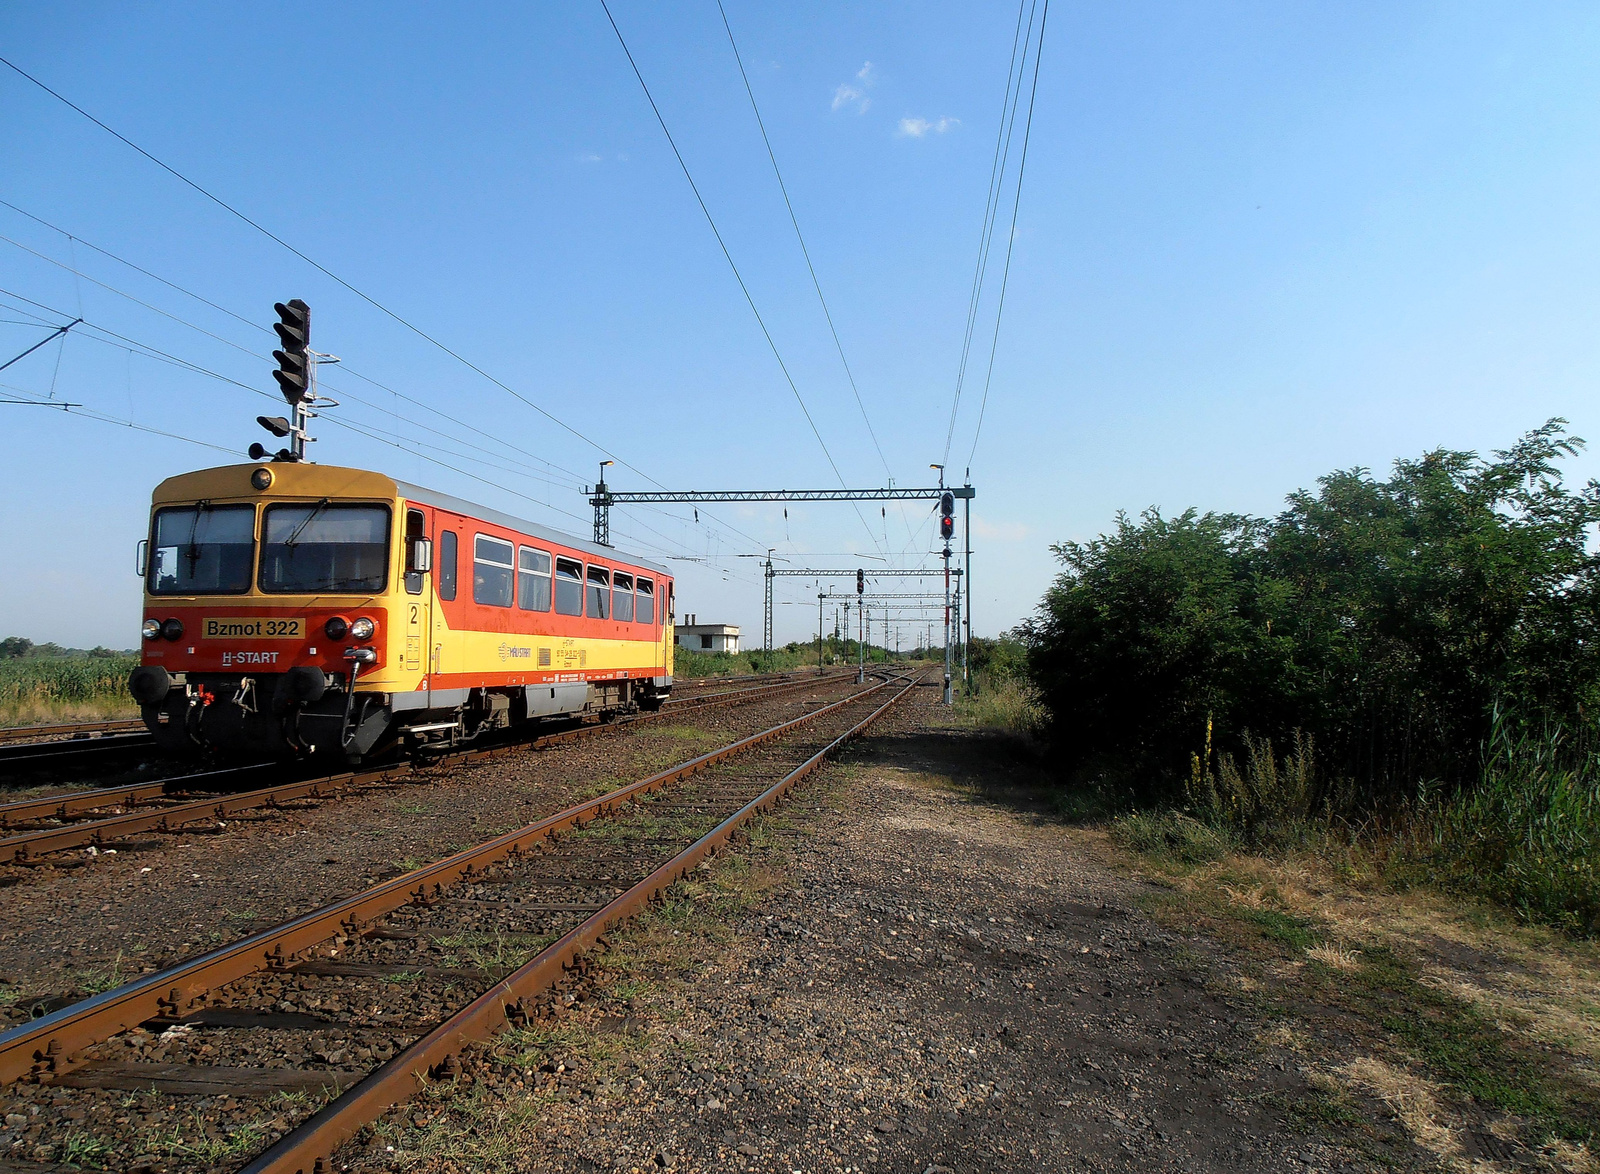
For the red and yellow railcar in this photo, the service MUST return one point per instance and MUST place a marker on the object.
(297, 608)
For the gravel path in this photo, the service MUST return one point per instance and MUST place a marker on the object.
(908, 979)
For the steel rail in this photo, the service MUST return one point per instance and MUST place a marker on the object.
(304, 1149)
(46, 1045)
(17, 753)
(25, 846)
(30, 733)
(67, 804)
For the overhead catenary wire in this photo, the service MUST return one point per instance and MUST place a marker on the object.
(1011, 237)
(357, 427)
(334, 277)
(991, 206)
(728, 256)
(800, 236)
(575, 478)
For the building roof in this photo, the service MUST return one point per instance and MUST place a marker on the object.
(710, 629)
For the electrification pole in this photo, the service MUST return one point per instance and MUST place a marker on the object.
(947, 525)
(819, 633)
(766, 634)
(861, 622)
(966, 534)
(602, 508)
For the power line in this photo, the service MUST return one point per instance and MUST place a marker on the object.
(991, 206)
(728, 256)
(794, 220)
(1011, 238)
(418, 331)
(576, 479)
(358, 427)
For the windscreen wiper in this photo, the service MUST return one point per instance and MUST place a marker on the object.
(295, 535)
(193, 554)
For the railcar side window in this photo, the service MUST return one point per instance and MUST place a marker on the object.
(599, 593)
(569, 587)
(533, 579)
(447, 565)
(202, 549)
(647, 602)
(622, 597)
(492, 570)
(311, 549)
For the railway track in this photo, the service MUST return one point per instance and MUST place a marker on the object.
(291, 1040)
(68, 730)
(49, 824)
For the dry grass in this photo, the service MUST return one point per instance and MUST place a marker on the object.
(1413, 1101)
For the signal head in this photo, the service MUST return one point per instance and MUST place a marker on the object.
(293, 376)
(947, 527)
(294, 325)
(947, 504)
(276, 425)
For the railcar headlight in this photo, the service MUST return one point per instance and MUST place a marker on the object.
(261, 478)
(337, 628)
(362, 629)
(173, 629)
(151, 629)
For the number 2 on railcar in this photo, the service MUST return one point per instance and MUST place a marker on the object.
(294, 609)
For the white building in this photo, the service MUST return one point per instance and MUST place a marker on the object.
(708, 637)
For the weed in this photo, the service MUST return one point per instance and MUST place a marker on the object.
(97, 979)
(1171, 834)
(83, 1149)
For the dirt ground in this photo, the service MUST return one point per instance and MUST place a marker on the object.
(911, 969)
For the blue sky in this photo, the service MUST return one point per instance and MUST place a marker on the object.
(1257, 242)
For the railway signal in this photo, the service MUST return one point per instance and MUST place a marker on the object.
(947, 518)
(294, 360)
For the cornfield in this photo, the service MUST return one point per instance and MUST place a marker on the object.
(42, 688)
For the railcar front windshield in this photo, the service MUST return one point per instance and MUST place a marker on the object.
(321, 548)
(202, 549)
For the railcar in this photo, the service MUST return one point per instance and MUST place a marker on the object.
(294, 609)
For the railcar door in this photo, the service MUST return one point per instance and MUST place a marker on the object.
(417, 602)
(446, 544)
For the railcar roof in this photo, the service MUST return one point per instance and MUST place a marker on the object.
(533, 529)
(316, 480)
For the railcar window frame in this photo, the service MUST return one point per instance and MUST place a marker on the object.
(597, 593)
(621, 597)
(569, 575)
(541, 582)
(195, 509)
(497, 574)
(416, 527)
(645, 596)
(325, 508)
(446, 571)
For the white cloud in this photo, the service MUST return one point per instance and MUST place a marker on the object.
(855, 95)
(588, 158)
(916, 128)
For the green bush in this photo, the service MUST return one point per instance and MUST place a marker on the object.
(1386, 619)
